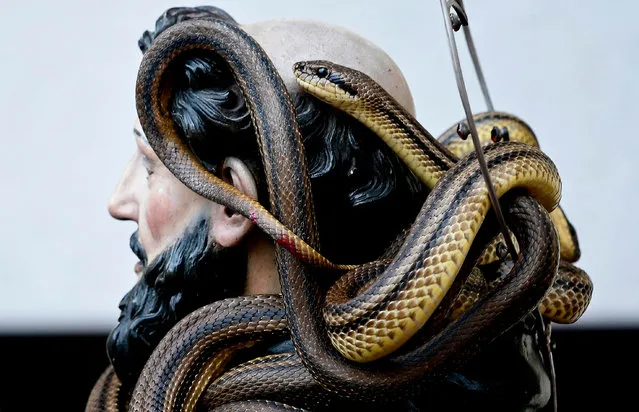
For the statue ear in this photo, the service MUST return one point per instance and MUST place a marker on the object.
(229, 227)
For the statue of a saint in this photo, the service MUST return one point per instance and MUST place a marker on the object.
(194, 252)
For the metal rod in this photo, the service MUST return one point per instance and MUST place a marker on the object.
(474, 56)
(473, 129)
(546, 348)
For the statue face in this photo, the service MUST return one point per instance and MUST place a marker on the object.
(151, 196)
(182, 265)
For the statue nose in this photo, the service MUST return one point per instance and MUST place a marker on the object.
(122, 204)
(122, 208)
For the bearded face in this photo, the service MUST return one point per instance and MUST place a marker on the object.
(186, 276)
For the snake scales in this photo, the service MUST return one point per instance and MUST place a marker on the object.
(435, 252)
(355, 93)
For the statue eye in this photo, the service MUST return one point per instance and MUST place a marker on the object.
(322, 72)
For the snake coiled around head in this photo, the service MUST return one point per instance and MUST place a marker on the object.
(357, 94)
(429, 268)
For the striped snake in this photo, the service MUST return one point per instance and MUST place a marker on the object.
(490, 126)
(357, 94)
(407, 287)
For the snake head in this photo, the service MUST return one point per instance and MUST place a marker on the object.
(328, 81)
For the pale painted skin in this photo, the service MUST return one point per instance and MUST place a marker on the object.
(163, 207)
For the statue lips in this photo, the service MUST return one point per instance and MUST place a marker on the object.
(138, 268)
(138, 250)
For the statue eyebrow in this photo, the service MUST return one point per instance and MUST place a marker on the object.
(140, 135)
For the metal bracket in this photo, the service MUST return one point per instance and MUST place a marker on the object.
(455, 17)
(458, 10)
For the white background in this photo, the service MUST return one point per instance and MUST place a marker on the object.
(67, 73)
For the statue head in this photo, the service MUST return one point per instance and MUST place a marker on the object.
(193, 251)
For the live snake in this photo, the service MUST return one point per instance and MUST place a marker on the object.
(355, 93)
(293, 229)
(489, 124)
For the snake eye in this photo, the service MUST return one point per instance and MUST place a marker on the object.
(322, 72)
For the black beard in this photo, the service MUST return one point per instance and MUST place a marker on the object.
(185, 277)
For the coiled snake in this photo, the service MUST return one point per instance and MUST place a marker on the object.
(443, 245)
(357, 94)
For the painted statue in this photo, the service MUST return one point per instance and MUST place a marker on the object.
(279, 236)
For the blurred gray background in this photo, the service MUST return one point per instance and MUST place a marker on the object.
(68, 71)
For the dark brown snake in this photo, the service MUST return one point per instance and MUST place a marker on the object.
(436, 250)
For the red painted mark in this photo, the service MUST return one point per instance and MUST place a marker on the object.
(253, 216)
(286, 241)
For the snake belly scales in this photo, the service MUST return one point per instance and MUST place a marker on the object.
(436, 251)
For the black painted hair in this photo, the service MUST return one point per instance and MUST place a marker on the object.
(364, 194)
(178, 14)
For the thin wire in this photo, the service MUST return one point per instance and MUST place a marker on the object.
(473, 129)
(462, 19)
(546, 330)
(475, 58)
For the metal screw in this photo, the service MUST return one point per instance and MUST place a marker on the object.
(455, 20)
(463, 131)
(498, 135)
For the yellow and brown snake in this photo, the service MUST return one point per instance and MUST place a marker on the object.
(427, 272)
